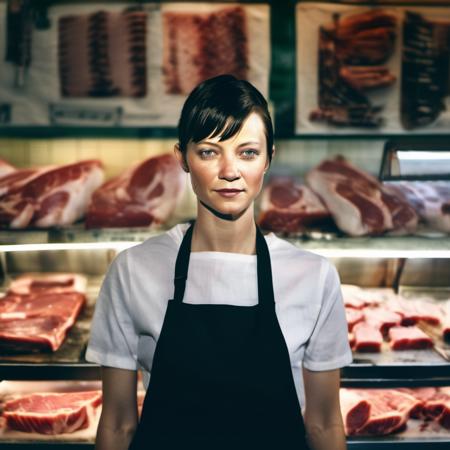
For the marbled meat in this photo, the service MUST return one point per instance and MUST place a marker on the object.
(143, 195)
(288, 206)
(51, 413)
(430, 199)
(357, 201)
(56, 196)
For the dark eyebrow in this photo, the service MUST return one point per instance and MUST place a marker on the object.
(218, 145)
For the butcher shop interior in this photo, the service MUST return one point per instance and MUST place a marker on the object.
(359, 93)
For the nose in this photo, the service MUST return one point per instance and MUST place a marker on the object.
(229, 169)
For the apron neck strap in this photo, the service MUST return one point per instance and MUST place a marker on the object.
(264, 269)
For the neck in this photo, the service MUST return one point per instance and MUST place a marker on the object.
(213, 233)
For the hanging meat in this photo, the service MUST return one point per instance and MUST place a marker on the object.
(145, 194)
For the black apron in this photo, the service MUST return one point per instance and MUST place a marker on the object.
(221, 376)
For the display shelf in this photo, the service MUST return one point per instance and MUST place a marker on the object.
(432, 245)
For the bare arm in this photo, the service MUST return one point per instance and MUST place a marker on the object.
(323, 420)
(119, 417)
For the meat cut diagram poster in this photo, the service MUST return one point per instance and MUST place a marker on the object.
(126, 65)
(369, 70)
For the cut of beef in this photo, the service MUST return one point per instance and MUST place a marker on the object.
(52, 197)
(198, 46)
(6, 168)
(143, 195)
(356, 297)
(32, 283)
(353, 317)
(382, 318)
(389, 411)
(38, 321)
(355, 410)
(409, 338)
(430, 199)
(357, 201)
(413, 310)
(367, 338)
(51, 413)
(446, 321)
(287, 206)
(423, 394)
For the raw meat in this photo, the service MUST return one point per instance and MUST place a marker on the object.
(31, 283)
(55, 197)
(103, 54)
(382, 318)
(367, 338)
(287, 206)
(143, 195)
(51, 413)
(5, 168)
(356, 297)
(357, 201)
(37, 321)
(389, 411)
(430, 199)
(409, 338)
(198, 46)
(413, 310)
(355, 410)
(438, 407)
(423, 394)
(353, 317)
(446, 322)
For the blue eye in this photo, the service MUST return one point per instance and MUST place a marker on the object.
(206, 153)
(250, 153)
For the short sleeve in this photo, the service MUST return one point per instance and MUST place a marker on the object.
(113, 338)
(328, 347)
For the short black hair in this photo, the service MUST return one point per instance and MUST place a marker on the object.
(220, 105)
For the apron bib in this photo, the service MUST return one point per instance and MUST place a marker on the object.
(221, 376)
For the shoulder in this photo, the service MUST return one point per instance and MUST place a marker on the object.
(286, 252)
(159, 249)
(307, 267)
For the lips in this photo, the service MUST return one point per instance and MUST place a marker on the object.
(229, 193)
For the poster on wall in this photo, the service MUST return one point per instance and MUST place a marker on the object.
(369, 70)
(202, 40)
(122, 64)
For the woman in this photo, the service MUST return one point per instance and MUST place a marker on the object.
(255, 331)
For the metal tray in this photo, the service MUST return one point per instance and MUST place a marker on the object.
(65, 363)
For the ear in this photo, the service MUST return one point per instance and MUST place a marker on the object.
(266, 167)
(180, 157)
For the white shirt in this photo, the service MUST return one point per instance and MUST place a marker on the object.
(133, 298)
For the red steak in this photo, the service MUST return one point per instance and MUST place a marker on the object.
(51, 413)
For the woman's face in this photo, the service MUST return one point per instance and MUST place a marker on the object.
(227, 176)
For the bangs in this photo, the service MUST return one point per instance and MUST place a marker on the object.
(212, 123)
